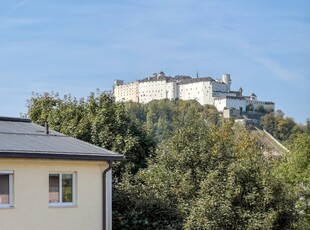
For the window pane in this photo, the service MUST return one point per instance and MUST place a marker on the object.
(67, 188)
(4, 189)
(54, 188)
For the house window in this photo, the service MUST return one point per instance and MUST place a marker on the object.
(6, 189)
(62, 189)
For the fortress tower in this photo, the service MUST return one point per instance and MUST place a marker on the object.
(226, 79)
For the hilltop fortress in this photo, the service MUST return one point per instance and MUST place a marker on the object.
(205, 90)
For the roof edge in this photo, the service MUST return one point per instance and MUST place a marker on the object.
(60, 156)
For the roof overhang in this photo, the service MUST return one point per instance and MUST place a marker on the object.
(31, 155)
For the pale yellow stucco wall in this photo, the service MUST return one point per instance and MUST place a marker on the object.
(31, 209)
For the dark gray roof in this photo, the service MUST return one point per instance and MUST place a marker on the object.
(231, 97)
(19, 138)
(179, 78)
(155, 78)
(194, 80)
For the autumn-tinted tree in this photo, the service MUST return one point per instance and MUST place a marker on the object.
(282, 128)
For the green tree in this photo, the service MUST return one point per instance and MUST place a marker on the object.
(249, 107)
(98, 120)
(163, 117)
(241, 196)
(268, 122)
(295, 170)
(210, 178)
(285, 128)
(136, 110)
(282, 128)
(260, 108)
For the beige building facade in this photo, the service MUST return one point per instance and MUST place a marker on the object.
(31, 209)
(52, 181)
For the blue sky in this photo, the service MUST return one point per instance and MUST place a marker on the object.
(76, 46)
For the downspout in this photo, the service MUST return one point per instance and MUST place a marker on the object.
(104, 196)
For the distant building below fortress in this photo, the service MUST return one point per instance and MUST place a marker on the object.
(205, 90)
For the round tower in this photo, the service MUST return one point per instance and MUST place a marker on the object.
(226, 80)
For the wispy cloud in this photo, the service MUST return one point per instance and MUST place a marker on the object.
(17, 22)
(276, 69)
(15, 7)
(258, 55)
(10, 20)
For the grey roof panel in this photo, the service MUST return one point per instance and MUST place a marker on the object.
(24, 138)
(23, 127)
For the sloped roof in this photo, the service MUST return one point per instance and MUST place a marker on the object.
(19, 138)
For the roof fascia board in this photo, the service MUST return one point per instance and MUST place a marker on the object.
(60, 156)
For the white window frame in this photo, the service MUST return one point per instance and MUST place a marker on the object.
(74, 190)
(11, 187)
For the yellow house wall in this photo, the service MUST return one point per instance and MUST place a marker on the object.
(31, 209)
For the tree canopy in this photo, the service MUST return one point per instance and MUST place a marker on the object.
(211, 179)
(294, 169)
(187, 167)
(97, 120)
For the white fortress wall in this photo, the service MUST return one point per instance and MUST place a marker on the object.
(266, 104)
(205, 90)
(126, 92)
(230, 102)
(152, 90)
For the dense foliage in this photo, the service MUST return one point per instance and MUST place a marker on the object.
(294, 169)
(162, 118)
(211, 179)
(282, 128)
(98, 120)
(186, 167)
